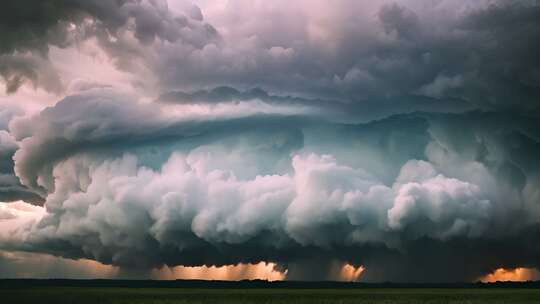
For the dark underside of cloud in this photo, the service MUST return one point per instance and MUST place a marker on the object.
(408, 145)
(372, 109)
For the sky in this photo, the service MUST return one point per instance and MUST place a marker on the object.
(282, 140)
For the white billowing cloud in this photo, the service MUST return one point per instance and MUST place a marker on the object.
(119, 196)
(426, 203)
(323, 190)
(117, 207)
(450, 206)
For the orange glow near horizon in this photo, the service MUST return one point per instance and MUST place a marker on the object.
(260, 271)
(515, 275)
(38, 265)
(350, 273)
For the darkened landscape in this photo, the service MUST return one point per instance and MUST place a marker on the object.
(143, 292)
(74, 295)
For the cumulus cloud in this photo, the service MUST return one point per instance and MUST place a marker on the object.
(456, 207)
(127, 207)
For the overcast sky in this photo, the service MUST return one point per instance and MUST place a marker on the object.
(372, 140)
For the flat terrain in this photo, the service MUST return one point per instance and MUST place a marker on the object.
(117, 295)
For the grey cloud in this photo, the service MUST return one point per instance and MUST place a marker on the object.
(462, 53)
(7, 113)
(15, 69)
(338, 110)
(69, 126)
(398, 19)
(216, 95)
(391, 54)
(28, 29)
(10, 187)
(102, 122)
(225, 95)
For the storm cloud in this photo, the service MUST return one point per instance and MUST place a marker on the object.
(400, 137)
(10, 186)
(475, 53)
(28, 29)
(173, 187)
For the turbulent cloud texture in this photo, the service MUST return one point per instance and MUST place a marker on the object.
(400, 137)
(10, 187)
(121, 27)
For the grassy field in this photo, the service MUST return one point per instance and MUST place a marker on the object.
(80, 295)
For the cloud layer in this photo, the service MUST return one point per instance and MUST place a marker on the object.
(400, 137)
(222, 190)
(120, 27)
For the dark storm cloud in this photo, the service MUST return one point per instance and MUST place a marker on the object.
(368, 110)
(10, 187)
(228, 95)
(31, 26)
(479, 55)
(224, 94)
(457, 260)
(28, 28)
(482, 55)
(485, 57)
(479, 62)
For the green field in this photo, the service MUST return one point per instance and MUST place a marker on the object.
(111, 295)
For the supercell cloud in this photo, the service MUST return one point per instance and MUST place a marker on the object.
(402, 137)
